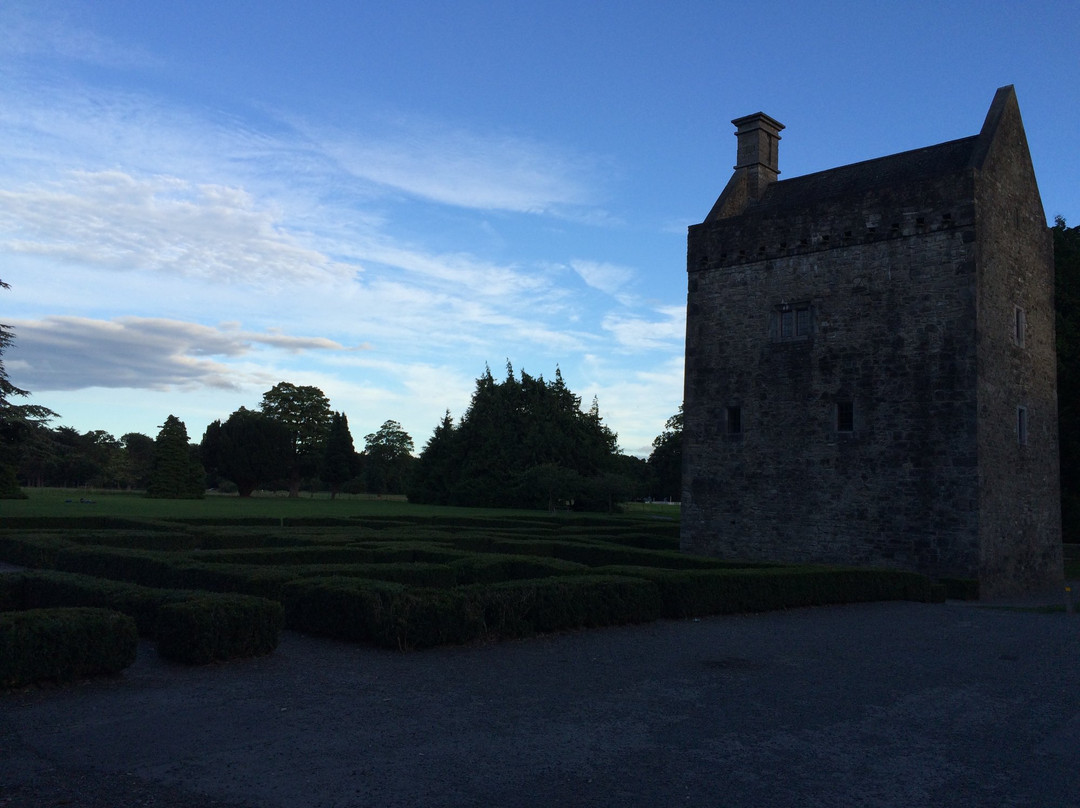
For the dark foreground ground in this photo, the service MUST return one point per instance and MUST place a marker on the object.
(894, 704)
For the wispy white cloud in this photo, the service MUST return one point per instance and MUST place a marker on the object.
(611, 279)
(37, 30)
(71, 353)
(462, 168)
(164, 224)
(639, 333)
(635, 402)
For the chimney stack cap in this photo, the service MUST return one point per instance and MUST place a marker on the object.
(759, 120)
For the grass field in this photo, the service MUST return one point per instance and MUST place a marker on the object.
(60, 502)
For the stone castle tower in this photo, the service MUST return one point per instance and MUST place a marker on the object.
(870, 364)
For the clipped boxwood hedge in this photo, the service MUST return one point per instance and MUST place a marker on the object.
(190, 626)
(696, 593)
(395, 616)
(346, 608)
(64, 644)
(215, 628)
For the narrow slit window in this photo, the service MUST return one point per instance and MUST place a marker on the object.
(1022, 426)
(845, 416)
(734, 420)
(1019, 326)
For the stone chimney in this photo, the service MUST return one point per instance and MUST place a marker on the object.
(759, 138)
(757, 165)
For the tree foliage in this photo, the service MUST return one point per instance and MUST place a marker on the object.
(249, 449)
(665, 462)
(305, 411)
(17, 421)
(522, 442)
(339, 461)
(176, 472)
(1067, 304)
(387, 459)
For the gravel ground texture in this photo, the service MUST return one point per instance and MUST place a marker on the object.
(888, 704)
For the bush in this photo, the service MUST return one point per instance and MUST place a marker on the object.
(346, 608)
(12, 592)
(190, 626)
(523, 608)
(696, 593)
(394, 616)
(215, 628)
(64, 644)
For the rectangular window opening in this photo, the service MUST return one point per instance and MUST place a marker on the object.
(1019, 326)
(734, 420)
(845, 416)
(1021, 426)
(792, 321)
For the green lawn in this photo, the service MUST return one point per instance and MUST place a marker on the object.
(59, 502)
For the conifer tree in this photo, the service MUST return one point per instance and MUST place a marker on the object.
(521, 443)
(175, 473)
(339, 457)
(17, 421)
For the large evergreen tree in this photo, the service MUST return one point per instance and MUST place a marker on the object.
(339, 456)
(17, 421)
(248, 449)
(434, 473)
(176, 472)
(522, 442)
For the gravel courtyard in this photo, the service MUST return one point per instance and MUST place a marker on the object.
(890, 704)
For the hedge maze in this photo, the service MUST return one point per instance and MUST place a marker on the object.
(209, 592)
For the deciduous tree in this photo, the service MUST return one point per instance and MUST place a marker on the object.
(665, 461)
(387, 459)
(305, 410)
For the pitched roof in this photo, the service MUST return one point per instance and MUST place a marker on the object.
(883, 172)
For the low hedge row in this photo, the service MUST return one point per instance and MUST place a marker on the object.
(697, 593)
(190, 626)
(368, 553)
(395, 616)
(64, 644)
(961, 588)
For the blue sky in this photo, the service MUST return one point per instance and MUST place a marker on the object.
(201, 199)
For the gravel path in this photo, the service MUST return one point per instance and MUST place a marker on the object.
(893, 704)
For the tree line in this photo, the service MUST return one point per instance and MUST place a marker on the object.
(293, 441)
(522, 442)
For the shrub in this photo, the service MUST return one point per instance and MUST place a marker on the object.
(493, 568)
(346, 608)
(695, 593)
(523, 608)
(12, 592)
(190, 626)
(214, 628)
(64, 644)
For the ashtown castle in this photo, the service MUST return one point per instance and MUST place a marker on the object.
(870, 364)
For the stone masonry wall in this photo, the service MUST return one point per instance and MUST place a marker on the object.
(889, 282)
(1020, 529)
